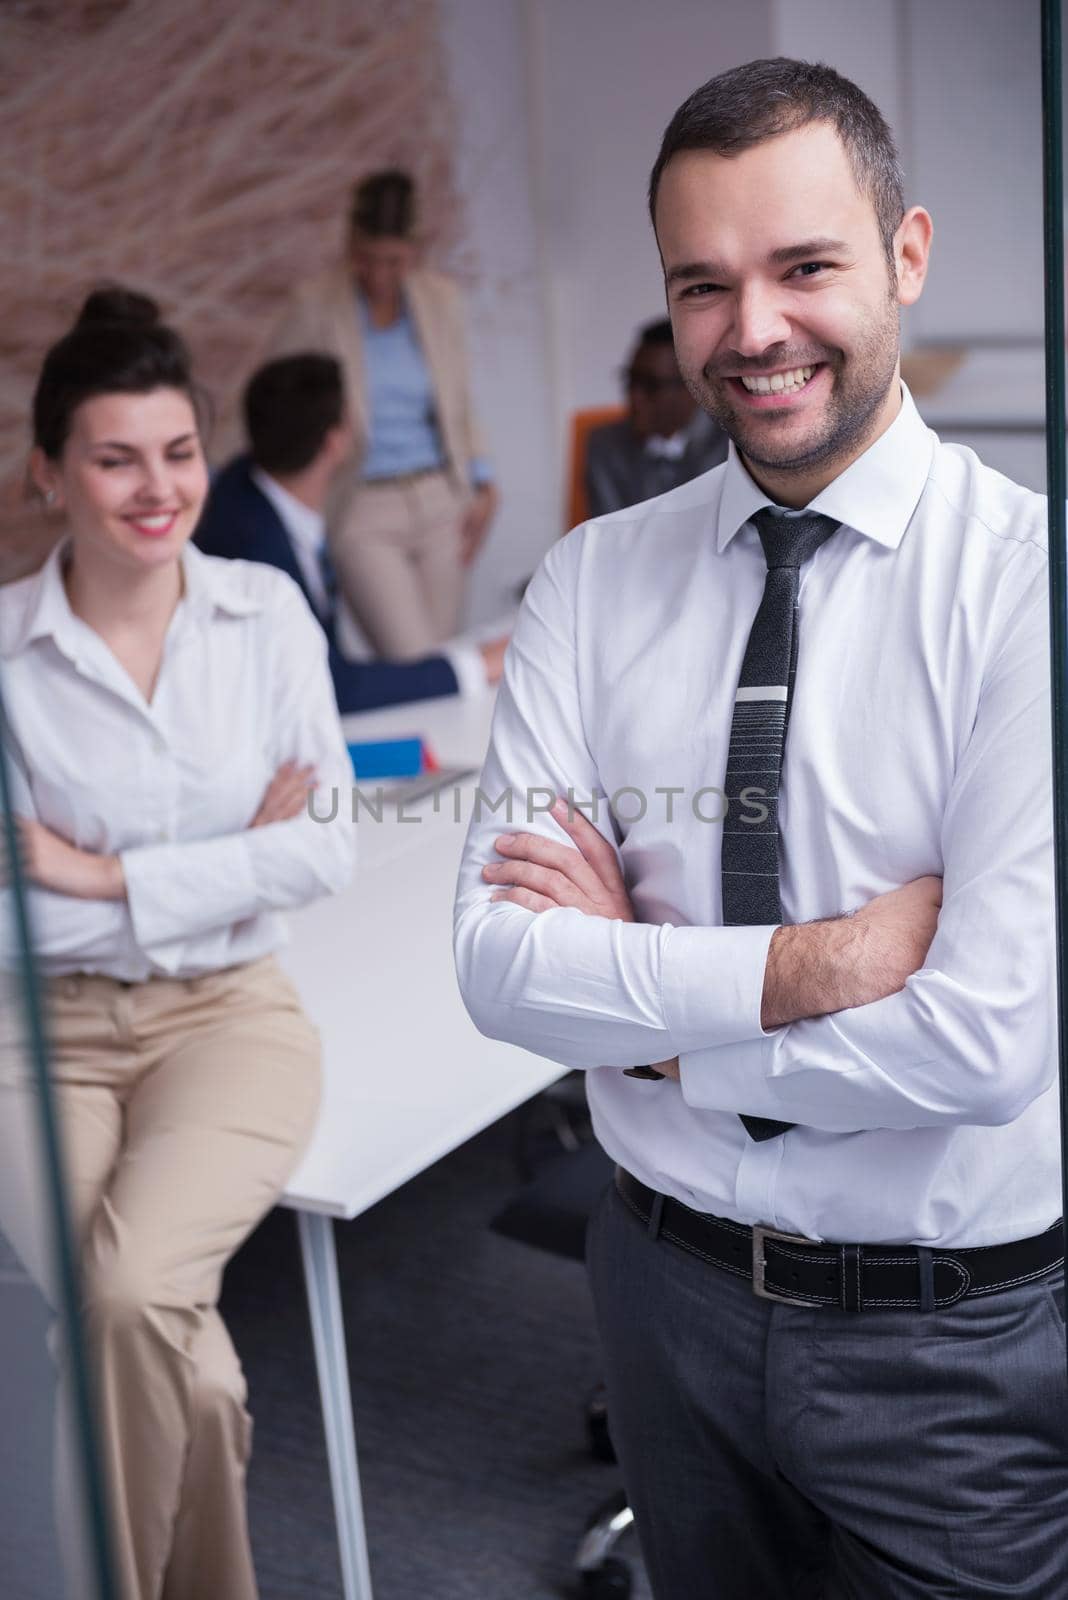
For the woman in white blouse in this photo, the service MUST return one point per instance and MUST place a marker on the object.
(168, 716)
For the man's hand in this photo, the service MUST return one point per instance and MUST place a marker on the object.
(478, 514)
(50, 862)
(492, 653)
(668, 1069)
(816, 968)
(540, 874)
(286, 795)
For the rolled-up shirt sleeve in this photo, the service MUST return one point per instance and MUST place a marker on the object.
(581, 990)
(177, 891)
(971, 1038)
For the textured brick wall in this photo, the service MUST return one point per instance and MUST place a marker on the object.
(202, 150)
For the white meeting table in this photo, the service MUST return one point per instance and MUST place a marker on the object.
(406, 1076)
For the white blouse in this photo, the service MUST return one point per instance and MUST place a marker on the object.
(172, 784)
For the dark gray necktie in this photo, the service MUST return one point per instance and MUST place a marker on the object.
(750, 862)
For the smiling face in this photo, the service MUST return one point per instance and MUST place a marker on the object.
(783, 305)
(131, 478)
(380, 266)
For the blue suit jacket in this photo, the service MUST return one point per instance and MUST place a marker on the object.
(239, 520)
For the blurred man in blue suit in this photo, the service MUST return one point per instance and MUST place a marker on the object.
(269, 506)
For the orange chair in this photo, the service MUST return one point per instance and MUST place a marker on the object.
(582, 425)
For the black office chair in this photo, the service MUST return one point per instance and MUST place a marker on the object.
(550, 1212)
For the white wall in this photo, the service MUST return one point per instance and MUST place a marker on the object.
(562, 104)
(606, 76)
(502, 260)
(960, 83)
(561, 107)
(863, 39)
(974, 69)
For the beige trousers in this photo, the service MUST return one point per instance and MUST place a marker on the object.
(396, 546)
(183, 1107)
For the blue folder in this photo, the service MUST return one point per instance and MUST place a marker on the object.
(386, 758)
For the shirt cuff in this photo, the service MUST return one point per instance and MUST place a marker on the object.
(712, 984)
(479, 472)
(470, 669)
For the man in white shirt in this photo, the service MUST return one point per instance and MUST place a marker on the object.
(269, 506)
(877, 1408)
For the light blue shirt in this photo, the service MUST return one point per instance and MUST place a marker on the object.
(404, 434)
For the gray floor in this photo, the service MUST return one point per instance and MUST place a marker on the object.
(471, 1357)
(29, 1569)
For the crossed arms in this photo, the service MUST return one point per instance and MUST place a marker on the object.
(932, 1004)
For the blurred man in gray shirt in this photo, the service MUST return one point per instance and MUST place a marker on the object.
(663, 441)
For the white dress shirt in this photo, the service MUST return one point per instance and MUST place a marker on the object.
(306, 528)
(172, 784)
(667, 446)
(919, 742)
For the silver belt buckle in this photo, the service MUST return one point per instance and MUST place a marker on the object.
(760, 1287)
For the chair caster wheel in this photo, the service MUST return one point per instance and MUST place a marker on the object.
(610, 1581)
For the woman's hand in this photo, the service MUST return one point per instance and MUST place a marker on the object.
(540, 874)
(50, 862)
(478, 514)
(286, 795)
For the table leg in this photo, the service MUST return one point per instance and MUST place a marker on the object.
(319, 1258)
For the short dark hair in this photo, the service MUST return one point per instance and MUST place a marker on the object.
(762, 99)
(658, 332)
(290, 406)
(118, 345)
(383, 205)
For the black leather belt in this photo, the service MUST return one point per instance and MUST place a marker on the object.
(853, 1277)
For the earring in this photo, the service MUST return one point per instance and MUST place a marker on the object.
(50, 497)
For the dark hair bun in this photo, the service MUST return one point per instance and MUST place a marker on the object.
(118, 345)
(383, 205)
(113, 305)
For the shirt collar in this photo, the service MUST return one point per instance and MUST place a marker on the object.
(667, 447)
(305, 526)
(214, 584)
(45, 610)
(875, 495)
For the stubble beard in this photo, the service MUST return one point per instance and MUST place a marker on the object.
(859, 387)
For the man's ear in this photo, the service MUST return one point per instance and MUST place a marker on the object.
(912, 249)
(339, 442)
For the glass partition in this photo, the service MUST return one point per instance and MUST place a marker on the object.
(1053, 73)
(52, 1541)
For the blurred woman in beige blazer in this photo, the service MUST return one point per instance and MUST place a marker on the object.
(410, 514)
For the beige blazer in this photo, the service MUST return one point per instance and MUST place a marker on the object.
(322, 315)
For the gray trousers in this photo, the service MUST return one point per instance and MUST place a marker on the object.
(773, 1452)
